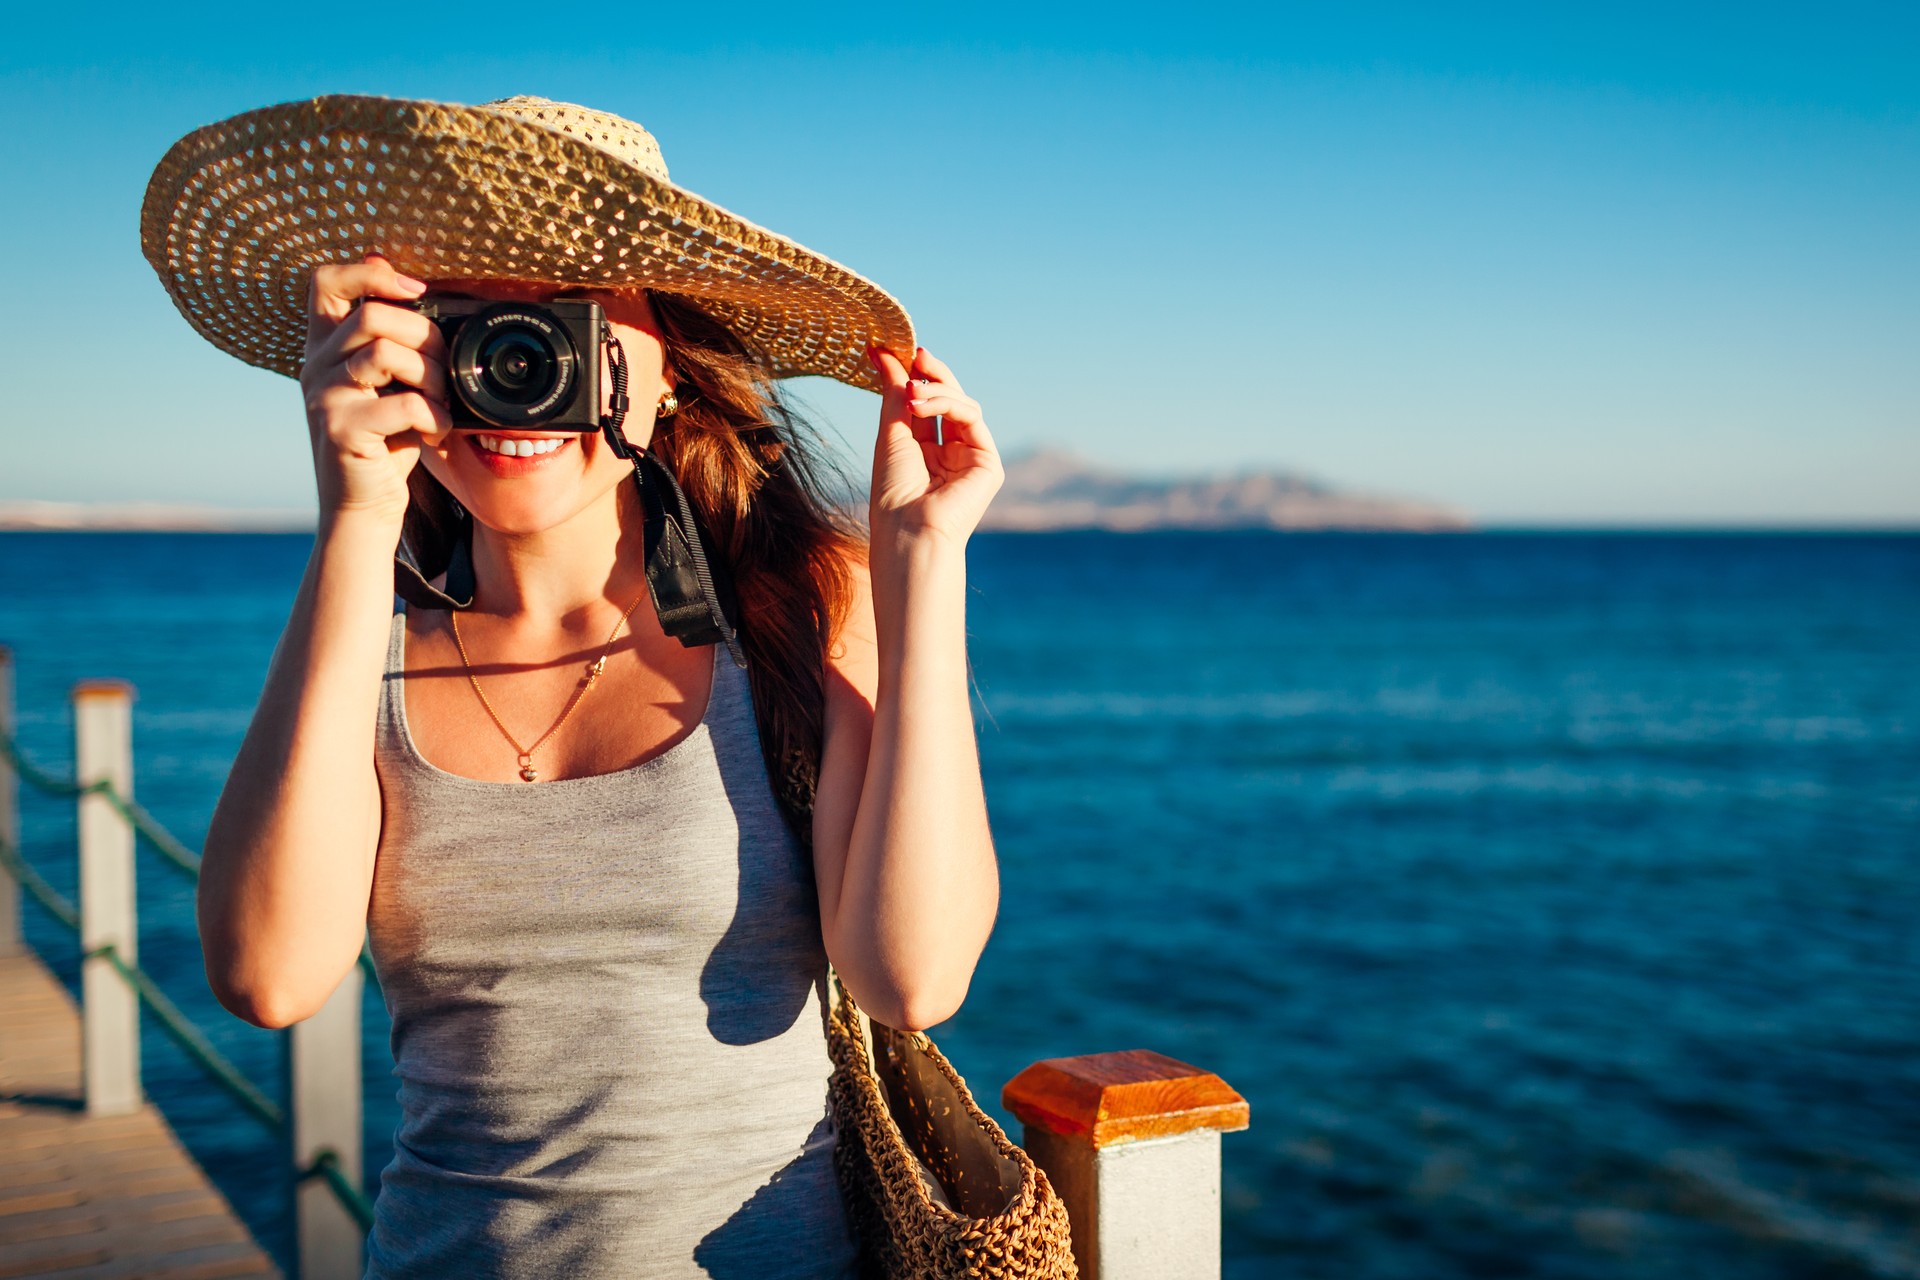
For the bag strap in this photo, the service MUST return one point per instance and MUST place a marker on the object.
(839, 999)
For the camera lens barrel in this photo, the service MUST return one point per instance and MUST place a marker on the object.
(515, 364)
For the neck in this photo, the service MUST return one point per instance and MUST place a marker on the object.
(567, 574)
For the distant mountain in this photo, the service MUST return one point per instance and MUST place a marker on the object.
(1048, 489)
(1054, 489)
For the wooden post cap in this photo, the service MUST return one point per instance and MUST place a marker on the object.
(1109, 1098)
(87, 689)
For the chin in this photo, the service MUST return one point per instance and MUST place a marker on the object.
(525, 495)
(519, 517)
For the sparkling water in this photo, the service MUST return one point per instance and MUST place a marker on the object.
(1554, 899)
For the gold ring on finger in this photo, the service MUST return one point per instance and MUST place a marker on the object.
(347, 367)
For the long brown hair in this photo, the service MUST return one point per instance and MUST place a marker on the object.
(773, 504)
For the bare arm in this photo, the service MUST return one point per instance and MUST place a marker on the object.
(908, 881)
(289, 857)
(288, 869)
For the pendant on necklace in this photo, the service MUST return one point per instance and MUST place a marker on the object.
(527, 773)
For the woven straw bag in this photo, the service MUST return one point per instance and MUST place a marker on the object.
(935, 1189)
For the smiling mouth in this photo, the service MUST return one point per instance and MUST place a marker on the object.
(518, 446)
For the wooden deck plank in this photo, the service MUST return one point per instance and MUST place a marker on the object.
(222, 1269)
(89, 1215)
(51, 1166)
(180, 1249)
(101, 1196)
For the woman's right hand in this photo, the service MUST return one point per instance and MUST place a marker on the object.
(375, 382)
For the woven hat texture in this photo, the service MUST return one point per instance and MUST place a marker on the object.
(238, 213)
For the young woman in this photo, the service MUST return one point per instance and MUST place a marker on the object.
(601, 937)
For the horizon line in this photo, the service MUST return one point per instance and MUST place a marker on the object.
(273, 521)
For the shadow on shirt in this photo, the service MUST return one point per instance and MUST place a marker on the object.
(795, 1225)
(756, 980)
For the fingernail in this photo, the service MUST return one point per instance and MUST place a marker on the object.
(410, 285)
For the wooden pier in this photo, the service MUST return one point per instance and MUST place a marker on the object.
(88, 1195)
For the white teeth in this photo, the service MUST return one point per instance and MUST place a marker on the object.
(518, 448)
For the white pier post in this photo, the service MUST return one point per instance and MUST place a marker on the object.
(12, 941)
(323, 1086)
(1131, 1141)
(110, 1010)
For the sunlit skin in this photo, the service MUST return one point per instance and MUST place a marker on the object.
(902, 852)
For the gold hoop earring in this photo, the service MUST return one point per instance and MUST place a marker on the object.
(669, 405)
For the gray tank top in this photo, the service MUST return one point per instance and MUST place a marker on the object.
(606, 997)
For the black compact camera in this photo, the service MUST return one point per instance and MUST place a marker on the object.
(521, 364)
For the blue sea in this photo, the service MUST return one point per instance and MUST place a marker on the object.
(1554, 899)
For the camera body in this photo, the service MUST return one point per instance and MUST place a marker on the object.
(521, 364)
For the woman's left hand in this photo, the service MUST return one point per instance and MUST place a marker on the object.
(920, 486)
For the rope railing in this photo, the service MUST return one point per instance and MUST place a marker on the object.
(327, 1165)
(148, 828)
(192, 1039)
(36, 884)
(136, 815)
(34, 775)
(189, 1037)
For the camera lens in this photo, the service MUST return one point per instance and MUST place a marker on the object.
(517, 367)
(514, 364)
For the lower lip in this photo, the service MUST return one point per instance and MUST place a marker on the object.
(502, 465)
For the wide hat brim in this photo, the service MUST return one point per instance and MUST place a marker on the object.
(238, 213)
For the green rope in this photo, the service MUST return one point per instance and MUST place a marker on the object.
(163, 840)
(144, 825)
(189, 1037)
(136, 814)
(194, 1041)
(262, 1108)
(62, 910)
(35, 776)
(327, 1165)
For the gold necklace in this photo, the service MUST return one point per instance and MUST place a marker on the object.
(527, 772)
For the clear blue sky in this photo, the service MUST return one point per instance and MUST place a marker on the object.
(1622, 263)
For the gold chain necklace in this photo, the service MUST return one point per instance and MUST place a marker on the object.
(527, 772)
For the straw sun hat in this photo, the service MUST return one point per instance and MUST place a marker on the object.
(239, 212)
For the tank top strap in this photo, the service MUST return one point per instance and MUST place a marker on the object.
(388, 733)
(396, 633)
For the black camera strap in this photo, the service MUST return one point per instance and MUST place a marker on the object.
(695, 604)
(436, 537)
